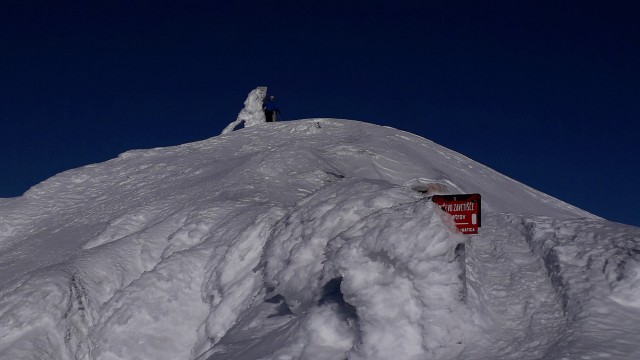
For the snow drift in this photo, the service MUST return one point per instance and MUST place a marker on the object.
(308, 240)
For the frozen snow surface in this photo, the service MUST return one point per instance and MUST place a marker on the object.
(308, 240)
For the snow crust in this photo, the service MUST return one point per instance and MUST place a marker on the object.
(310, 239)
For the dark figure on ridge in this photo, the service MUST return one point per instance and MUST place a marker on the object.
(271, 111)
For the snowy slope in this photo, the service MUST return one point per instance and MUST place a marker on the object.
(307, 240)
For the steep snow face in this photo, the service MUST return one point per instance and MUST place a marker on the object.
(307, 240)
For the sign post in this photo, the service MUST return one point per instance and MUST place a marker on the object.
(464, 208)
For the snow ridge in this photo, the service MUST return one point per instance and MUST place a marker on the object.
(308, 239)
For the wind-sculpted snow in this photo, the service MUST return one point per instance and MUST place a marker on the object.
(395, 263)
(399, 272)
(295, 254)
(252, 113)
(309, 239)
(594, 266)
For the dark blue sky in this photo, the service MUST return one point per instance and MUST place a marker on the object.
(546, 92)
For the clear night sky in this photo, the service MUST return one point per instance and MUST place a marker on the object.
(546, 92)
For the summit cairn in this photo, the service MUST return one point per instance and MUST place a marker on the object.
(252, 114)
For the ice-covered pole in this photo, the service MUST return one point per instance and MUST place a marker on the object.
(252, 114)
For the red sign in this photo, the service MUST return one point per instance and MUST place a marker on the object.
(464, 208)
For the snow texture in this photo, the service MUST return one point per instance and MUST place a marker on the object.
(309, 239)
(252, 113)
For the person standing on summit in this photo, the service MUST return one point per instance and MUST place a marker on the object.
(271, 111)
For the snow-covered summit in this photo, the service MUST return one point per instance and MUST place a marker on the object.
(308, 240)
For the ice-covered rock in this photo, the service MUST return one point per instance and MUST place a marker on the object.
(252, 113)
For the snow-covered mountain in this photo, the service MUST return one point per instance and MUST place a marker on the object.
(308, 240)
